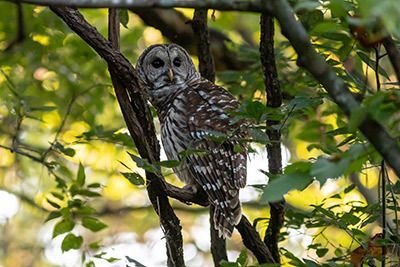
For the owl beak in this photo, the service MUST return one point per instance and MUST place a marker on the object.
(170, 75)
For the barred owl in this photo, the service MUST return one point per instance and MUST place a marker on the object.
(191, 110)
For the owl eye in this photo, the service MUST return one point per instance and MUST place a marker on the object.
(177, 62)
(157, 63)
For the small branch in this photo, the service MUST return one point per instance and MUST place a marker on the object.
(394, 55)
(60, 128)
(252, 240)
(309, 59)
(274, 100)
(19, 38)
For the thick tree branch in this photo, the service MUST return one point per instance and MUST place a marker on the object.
(394, 55)
(207, 70)
(174, 25)
(237, 5)
(200, 29)
(169, 222)
(274, 100)
(252, 240)
(309, 59)
(137, 116)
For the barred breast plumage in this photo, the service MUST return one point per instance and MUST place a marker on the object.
(192, 113)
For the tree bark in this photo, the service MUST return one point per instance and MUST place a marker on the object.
(393, 54)
(137, 117)
(207, 70)
(274, 100)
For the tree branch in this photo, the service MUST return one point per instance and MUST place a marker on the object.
(274, 100)
(309, 59)
(174, 25)
(252, 240)
(237, 5)
(19, 38)
(137, 117)
(207, 70)
(393, 54)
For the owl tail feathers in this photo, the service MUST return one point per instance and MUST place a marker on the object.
(226, 219)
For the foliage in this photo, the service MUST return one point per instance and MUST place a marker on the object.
(63, 142)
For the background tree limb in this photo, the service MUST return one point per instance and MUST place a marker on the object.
(274, 100)
(309, 59)
(207, 70)
(174, 25)
(237, 5)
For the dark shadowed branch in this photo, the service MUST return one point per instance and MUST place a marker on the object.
(207, 70)
(137, 116)
(393, 54)
(274, 100)
(174, 25)
(169, 222)
(238, 5)
(20, 36)
(200, 29)
(252, 240)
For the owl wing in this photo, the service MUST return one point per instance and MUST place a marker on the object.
(225, 160)
(221, 170)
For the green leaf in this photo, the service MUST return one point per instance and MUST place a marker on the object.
(372, 64)
(52, 215)
(94, 185)
(324, 168)
(80, 178)
(242, 258)
(53, 204)
(61, 184)
(296, 176)
(71, 241)
(350, 219)
(306, 6)
(87, 193)
(134, 178)
(62, 227)
(93, 224)
(144, 164)
(124, 17)
(357, 116)
(349, 188)
(322, 252)
(58, 195)
(169, 163)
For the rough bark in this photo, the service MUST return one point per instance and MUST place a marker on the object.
(274, 100)
(252, 240)
(137, 116)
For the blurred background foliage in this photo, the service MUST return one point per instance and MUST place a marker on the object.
(64, 200)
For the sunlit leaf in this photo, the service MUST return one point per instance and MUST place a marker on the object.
(71, 241)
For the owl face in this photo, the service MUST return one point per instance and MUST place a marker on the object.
(163, 66)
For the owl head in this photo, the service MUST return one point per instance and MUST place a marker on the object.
(163, 68)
